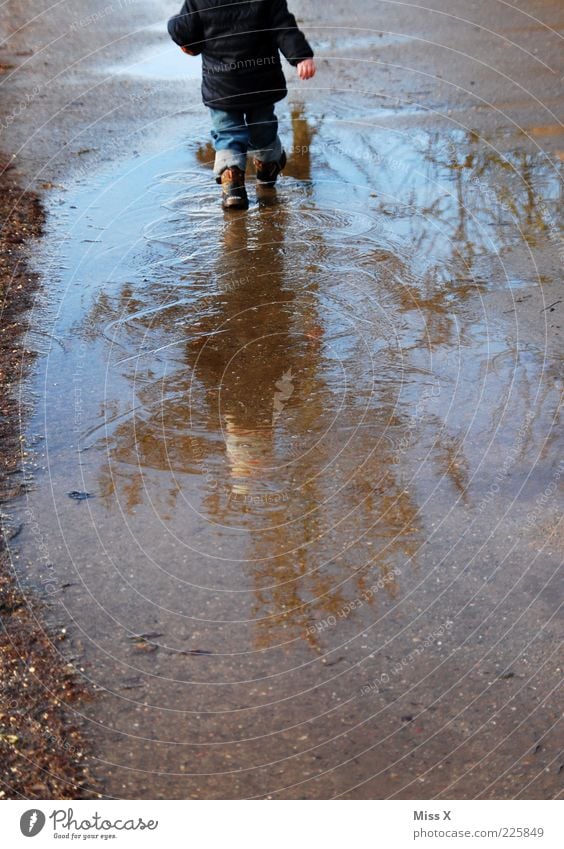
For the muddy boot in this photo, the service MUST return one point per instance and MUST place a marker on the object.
(234, 194)
(267, 172)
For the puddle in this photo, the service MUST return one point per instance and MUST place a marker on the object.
(359, 42)
(288, 420)
(163, 62)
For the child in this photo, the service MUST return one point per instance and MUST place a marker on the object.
(242, 79)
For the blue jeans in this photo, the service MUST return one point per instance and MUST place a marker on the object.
(236, 131)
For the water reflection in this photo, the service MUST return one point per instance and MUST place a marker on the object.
(247, 419)
(293, 371)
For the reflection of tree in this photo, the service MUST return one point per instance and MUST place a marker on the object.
(254, 350)
(312, 581)
(452, 462)
(493, 190)
(487, 192)
(303, 134)
(271, 340)
(233, 395)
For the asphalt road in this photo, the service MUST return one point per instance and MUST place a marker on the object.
(318, 549)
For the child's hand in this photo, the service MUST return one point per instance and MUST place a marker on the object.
(188, 51)
(306, 69)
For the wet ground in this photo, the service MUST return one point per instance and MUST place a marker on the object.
(296, 470)
(42, 748)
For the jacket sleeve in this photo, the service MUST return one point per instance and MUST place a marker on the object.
(290, 40)
(186, 28)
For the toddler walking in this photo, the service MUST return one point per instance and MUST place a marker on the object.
(242, 79)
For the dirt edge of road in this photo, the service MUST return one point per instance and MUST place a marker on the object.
(44, 752)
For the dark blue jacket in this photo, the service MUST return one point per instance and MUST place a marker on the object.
(240, 43)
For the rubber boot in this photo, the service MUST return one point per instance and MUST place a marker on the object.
(267, 172)
(234, 194)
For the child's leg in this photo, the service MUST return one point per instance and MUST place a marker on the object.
(230, 136)
(263, 134)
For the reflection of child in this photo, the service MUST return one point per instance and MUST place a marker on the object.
(242, 79)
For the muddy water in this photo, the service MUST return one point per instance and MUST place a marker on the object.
(315, 437)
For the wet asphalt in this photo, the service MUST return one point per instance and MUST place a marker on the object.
(318, 544)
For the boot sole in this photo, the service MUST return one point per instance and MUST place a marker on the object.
(234, 203)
